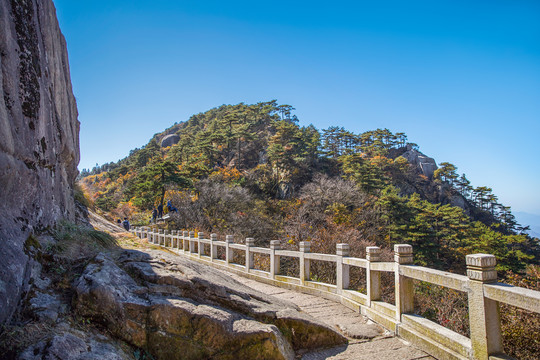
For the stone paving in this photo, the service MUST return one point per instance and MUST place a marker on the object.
(367, 340)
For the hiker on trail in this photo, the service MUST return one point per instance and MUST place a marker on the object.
(171, 207)
(119, 222)
(126, 224)
(160, 210)
(154, 215)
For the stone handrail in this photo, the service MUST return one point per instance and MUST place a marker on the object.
(480, 284)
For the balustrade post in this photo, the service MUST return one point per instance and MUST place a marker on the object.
(305, 247)
(185, 241)
(166, 238)
(373, 278)
(191, 242)
(174, 242)
(161, 239)
(250, 242)
(342, 276)
(213, 247)
(274, 259)
(404, 296)
(484, 316)
(200, 244)
(229, 239)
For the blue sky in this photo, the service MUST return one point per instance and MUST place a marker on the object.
(460, 78)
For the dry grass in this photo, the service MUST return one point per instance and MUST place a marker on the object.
(18, 336)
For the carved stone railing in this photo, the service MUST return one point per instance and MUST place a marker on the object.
(480, 284)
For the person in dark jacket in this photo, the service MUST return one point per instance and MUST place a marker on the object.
(160, 210)
(154, 215)
(125, 223)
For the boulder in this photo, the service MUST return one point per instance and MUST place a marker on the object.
(74, 345)
(163, 303)
(39, 137)
(170, 140)
(424, 163)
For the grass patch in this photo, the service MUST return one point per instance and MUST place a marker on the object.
(76, 241)
(15, 338)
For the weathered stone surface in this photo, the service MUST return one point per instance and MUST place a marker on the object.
(168, 303)
(170, 140)
(39, 136)
(426, 164)
(74, 346)
(46, 307)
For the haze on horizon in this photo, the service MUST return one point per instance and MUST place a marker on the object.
(461, 79)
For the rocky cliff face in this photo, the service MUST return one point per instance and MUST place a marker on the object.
(39, 136)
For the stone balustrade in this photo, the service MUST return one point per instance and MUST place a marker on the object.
(484, 292)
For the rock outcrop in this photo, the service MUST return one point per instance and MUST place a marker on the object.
(39, 136)
(426, 164)
(71, 344)
(170, 140)
(178, 309)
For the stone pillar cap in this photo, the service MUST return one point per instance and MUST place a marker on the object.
(213, 237)
(229, 238)
(342, 249)
(403, 249)
(305, 246)
(373, 253)
(250, 241)
(275, 244)
(481, 260)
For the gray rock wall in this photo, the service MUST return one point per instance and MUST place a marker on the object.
(39, 136)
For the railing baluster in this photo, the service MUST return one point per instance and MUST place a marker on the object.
(342, 276)
(305, 247)
(161, 238)
(249, 255)
(274, 259)
(373, 278)
(166, 238)
(213, 247)
(174, 242)
(192, 242)
(229, 239)
(404, 295)
(200, 245)
(185, 241)
(484, 317)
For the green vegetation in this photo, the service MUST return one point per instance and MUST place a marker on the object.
(251, 170)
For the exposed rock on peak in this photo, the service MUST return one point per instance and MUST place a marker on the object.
(170, 140)
(426, 164)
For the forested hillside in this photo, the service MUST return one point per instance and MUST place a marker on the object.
(251, 170)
